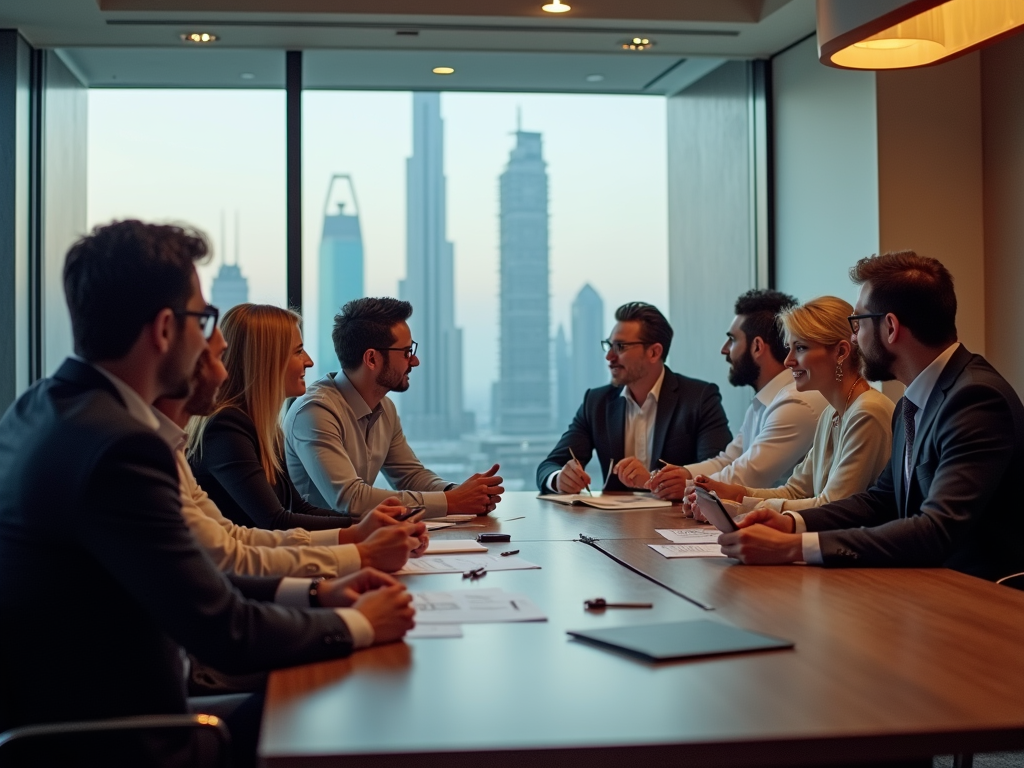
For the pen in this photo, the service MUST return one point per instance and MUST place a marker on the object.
(587, 486)
(510, 552)
(521, 517)
(409, 512)
(611, 468)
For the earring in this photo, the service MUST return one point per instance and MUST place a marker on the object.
(839, 371)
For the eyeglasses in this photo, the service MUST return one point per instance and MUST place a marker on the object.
(207, 319)
(407, 352)
(855, 319)
(620, 346)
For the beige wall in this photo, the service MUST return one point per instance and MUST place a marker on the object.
(1002, 88)
(930, 190)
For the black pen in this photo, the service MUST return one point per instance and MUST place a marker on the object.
(409, 512)
(510, 552)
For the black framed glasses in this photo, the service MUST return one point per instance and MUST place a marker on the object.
(620, 346)
(207, 319)
(407, 352)
(855, 319)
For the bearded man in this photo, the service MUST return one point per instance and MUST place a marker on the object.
(645, 417)
(345, 430)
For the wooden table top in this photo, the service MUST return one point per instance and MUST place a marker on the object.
(888, 665)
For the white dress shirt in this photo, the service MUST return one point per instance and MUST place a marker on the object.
(291, 592)
(918, 392)
(778, 430)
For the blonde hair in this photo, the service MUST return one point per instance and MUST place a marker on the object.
(822, 320)
(259, 338)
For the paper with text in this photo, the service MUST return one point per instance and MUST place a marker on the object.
(474, 606)
(463, 563)
(687, 550)
(690, 535)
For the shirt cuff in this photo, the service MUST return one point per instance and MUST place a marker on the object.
(812, 549)
(328, 538)
(799, 526)
(358, 625)
(552, 482)
(293, 593)
(347, 556)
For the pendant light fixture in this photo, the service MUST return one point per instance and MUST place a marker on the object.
(900, 34)
(556, 7)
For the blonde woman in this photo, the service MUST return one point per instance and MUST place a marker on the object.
(854, 434)
(236, 453)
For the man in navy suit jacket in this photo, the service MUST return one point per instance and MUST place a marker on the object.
(646, 416)
(101, 581)
(949, 494)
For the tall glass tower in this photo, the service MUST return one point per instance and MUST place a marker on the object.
(341, 264)
(589, 368)
(524, 390)
(432, 409)
(229, 286)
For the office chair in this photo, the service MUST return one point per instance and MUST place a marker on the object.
(28, 744)
(1016, 581)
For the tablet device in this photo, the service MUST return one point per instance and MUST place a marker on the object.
(680, 640)
(712, 509)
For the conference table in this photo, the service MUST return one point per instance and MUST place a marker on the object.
(890, 666)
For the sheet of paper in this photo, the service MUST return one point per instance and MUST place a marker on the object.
(427, 631)
(474, 606)
(463, 563)
(455, 518)
(625, 501)
(446, 546)
(433, 525)
(690, 535)
(687, 550)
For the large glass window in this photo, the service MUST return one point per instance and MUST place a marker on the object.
(210, 158)
(514, 223)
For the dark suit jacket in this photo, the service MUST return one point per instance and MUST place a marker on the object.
(962, 507)
(101, 580)
(690, 427)
(230, 469)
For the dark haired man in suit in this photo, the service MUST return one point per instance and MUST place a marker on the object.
(647, 415)
(949, 494)
(101, 582)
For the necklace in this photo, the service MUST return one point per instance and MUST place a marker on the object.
(837, 417)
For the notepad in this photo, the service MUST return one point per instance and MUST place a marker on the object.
(627, 501)
(448, 546)
(680, 640)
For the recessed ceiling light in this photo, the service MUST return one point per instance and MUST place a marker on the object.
(637, 44)
(556, 7)
(595, 78)
(199, 37)
(248, 76)
(443, 70)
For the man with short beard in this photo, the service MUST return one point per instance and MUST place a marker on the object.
(949, 495)
(345, 430)
(779, 424)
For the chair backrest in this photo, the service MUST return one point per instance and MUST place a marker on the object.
(1015, 580)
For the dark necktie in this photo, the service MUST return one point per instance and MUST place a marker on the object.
(909, 411)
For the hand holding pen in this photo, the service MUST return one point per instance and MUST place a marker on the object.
(670, 482)
(573, 478)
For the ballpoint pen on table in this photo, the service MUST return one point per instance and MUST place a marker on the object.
(587, 486)
(510, 553)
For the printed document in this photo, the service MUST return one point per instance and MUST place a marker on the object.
(626, 501)
(690, 535)
(463, 563)
(474, 606)
(446, 546)
(687, 550)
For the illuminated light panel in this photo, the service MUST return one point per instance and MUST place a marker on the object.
(556, 7)
(637, 44)
(933, 35)
(199, 37)
(443, 70)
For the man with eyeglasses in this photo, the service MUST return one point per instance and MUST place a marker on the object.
(345, 430)
(646, 416)
(950, 494)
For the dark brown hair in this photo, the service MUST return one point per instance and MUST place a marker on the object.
(654, 328)
(366, 324)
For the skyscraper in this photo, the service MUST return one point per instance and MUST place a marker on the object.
(589, 368)
(524, 388)
(229, 286)
(340, 278)
(564, 405)
(432, 408)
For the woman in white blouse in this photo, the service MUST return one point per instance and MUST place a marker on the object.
(854, 435)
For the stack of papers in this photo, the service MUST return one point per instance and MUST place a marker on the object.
(706, 535)
(627, 501)
(446, 546)
(418, 566)
(474, 606)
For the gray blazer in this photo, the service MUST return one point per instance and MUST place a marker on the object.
(962, 507)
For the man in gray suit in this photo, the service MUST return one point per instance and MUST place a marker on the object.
(949, 495)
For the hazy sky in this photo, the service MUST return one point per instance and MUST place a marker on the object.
(189, 155)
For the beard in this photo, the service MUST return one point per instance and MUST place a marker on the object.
(390, 379)
(175, 374)
(744, 372)
(876, 361)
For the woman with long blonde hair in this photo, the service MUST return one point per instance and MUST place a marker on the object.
(854, 434)
(237, 452)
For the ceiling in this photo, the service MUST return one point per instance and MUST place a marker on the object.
(504, 45)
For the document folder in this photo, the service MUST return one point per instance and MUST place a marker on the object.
(680, 640)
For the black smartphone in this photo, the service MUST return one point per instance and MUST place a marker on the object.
(484, 538)
(711, 507)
